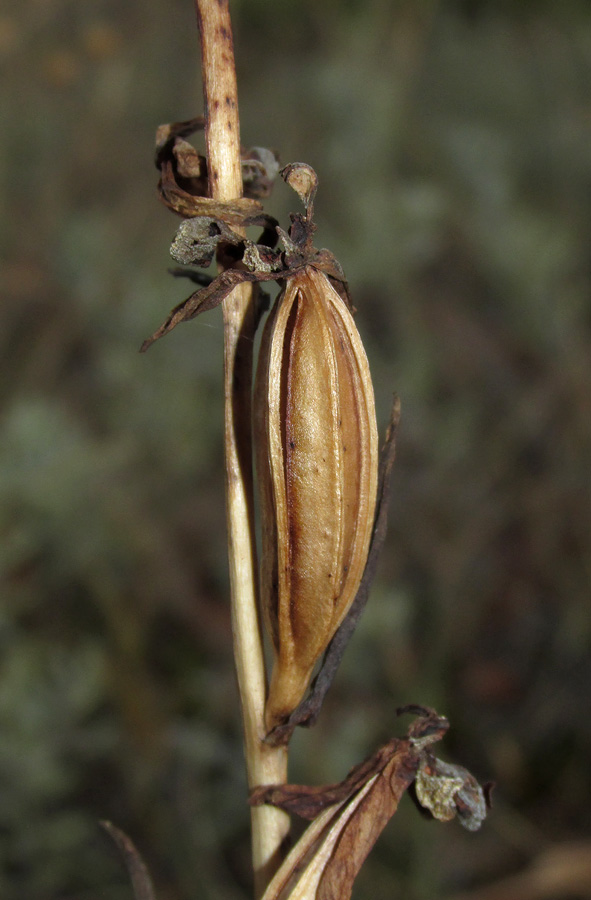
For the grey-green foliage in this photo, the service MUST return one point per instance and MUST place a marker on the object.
(48, 731)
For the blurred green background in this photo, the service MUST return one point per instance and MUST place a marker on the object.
(452, 140)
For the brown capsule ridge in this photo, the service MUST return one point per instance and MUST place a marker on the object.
(317, 451)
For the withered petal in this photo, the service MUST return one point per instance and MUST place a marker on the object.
(200, 301)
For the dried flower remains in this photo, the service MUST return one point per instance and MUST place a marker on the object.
(348, 817)
(315, 431)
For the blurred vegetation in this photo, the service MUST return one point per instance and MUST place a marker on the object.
(452, 142)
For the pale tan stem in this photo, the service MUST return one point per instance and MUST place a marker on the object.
(265, 764)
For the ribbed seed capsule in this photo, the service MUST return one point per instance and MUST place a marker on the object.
(317, 451)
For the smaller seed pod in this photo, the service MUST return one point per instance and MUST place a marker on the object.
(317, 460)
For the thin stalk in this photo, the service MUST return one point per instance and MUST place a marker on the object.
(265, 764)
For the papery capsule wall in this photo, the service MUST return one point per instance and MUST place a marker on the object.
(317, 460)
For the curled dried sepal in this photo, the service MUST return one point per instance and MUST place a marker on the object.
(317, 460)
(184, 187)
(303, 180)
(200, 301)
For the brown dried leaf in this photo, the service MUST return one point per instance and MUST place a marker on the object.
(349, 816)
(309, 802)
(138, 872)
(299, 875)
(326, 860)
(363, 829)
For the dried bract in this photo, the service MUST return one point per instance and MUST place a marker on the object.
(348, 817)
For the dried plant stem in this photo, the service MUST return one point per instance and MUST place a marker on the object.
(265, 764)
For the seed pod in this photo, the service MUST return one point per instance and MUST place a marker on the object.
(317, 455)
